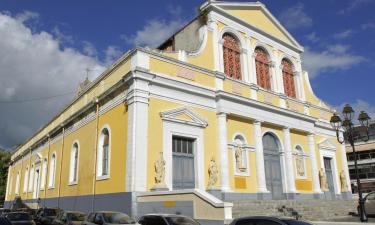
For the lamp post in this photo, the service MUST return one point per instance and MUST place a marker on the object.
(350, 135)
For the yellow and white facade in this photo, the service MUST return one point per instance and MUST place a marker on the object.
(100, 151)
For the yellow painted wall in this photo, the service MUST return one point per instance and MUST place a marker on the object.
(205, 59)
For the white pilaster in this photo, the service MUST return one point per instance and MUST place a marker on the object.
(8, 191)
(291, 187)
(261, 176)
(222, 118)
(345, 163)
(136, 161)
(314, 165)
(212, 27)
(252, 76)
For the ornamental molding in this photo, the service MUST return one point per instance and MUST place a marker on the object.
(327, 145)
(184, 115)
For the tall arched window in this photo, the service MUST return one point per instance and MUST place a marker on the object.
(300, 162)
(73, 164)
(103, 153)
(52, 174)
(17, 191)
(31, 178)
(262, 68)
(288, 78)
(26, 179)
(232, 57)
(44, 173)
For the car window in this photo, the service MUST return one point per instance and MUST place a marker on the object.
(179, 220)
(117, 218)
(371, 196)
(152, 220)
(98, 218)
(91, 217)
(76, 216)
(49, 212)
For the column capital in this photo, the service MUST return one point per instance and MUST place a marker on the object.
(258, 122)
(311, 134)
(285, 128)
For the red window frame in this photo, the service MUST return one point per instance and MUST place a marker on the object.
(232, 57)
(262, 68)
(288, 78)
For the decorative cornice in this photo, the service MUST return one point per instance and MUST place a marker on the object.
(172, 116)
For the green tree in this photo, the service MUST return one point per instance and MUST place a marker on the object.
(4, 164)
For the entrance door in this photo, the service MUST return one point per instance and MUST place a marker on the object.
(36, 184)
(272, 166)
(183, 163)
(329, 174)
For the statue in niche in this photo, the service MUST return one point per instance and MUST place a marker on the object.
(212, 173)
(300, 165)
(240, 167)
(323, 180)
(344, 185)
(160, 171)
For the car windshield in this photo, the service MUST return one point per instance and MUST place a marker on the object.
(295, 222)
(49, 212)
(117, 218)
(179, 220)
(18, 216)
(76, 216)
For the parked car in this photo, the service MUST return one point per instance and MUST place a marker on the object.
(45, 216)
(69, 218)
(3, 211)
(107, 218)
(369, 203)
(20, 218)
(265, 220)
(166, 219)
(4, 221)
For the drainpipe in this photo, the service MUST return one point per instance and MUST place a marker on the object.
(61, 163)
(95, 155)
(47, 170)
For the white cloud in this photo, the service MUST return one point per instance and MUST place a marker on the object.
(358, 106)
(156, 31)
(312, 37)
(61, 37)
(32, 65)
(354, 4)
(335, 57)
(89, 49)
(344, 34)
(112, 53)
(295, 17)
(367, 26)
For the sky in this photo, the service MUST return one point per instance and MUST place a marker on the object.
(46, 48)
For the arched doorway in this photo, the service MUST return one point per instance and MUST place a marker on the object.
(271, 149)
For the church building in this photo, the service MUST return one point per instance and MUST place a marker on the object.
(221, 111)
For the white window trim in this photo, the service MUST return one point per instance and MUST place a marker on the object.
(71, 165)
(31, 179)
(52, 173)
(296, 155)
(272, 71)
(44, 174)
(247, 148)
(331, 153)
(17, 190)
(99, 153)
(36, 185)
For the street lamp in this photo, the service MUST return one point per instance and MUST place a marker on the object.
(350, 135)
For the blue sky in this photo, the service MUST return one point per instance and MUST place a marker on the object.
(45, 47)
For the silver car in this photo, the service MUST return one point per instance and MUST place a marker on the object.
(108, 218)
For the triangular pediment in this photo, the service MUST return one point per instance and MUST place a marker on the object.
(257, 16)
(327, 144)
(184, 115)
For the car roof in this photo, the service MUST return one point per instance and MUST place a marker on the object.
(108, 212)
(165, 215)
(74, 212)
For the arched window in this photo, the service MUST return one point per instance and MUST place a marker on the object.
(52, 174)
(262, 68)
(103, 153)
(26, 179)
(288, 78)
(31, 178)
(17, 191)
(44, 173)
(240, 155)
(300, 162)
(232, 57)
(73, 164)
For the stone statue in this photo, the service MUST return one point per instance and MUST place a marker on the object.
(300, 166)
(239, 159)
(160, 171)
(344, 185)
(323, 180)
(212, 173)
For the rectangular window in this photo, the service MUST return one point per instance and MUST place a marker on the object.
(105, 161)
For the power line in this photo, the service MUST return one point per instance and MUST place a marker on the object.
(36, 99)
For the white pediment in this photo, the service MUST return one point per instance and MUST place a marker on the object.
(38, 158)
(185, 116)
(327, 145)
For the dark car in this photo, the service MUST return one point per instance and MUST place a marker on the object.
(20, 218)
(4, 221)
(106, 218)
(45, 216)
(69, 218)
(3, 211)
(166, 219)
(264, 220)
